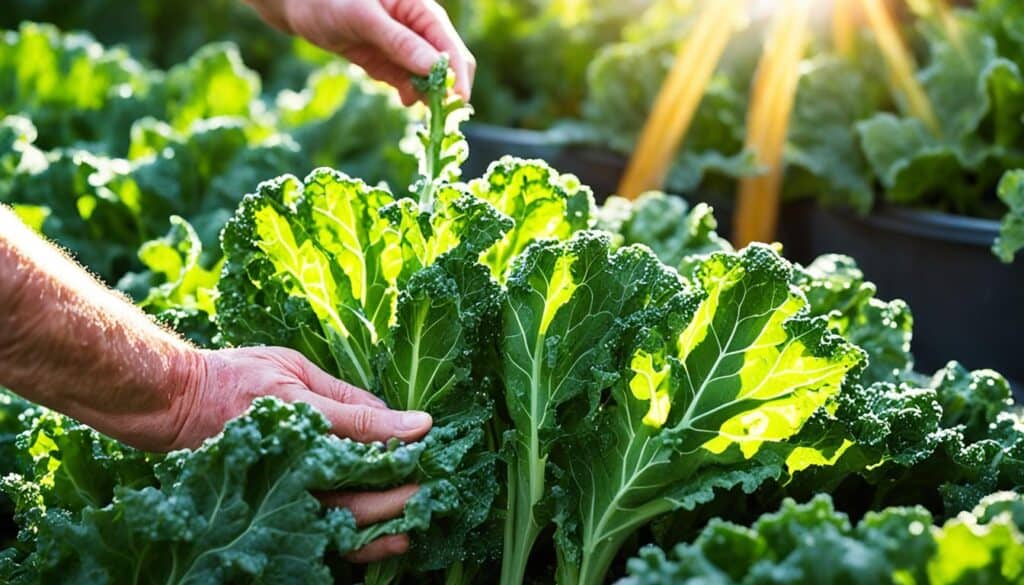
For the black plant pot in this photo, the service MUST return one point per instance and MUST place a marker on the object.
(967, 305)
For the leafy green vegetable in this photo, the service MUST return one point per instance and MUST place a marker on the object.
(835, 287)
(584, 382)
(176, 287)
(239, 507)
(1011, 233)
(712, 400)
(945, 445)
(678, 235)
(568, 308)
(625, 391)
(73, 89)
(813, 543)
(380, 291)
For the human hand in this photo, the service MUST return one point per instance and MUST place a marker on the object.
(222, 384)
(390, 39)
(69, 343)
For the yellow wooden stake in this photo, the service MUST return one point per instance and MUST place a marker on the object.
(844, 26)
(679, 97)
(900, 62)
(771, 104)
(939, 11)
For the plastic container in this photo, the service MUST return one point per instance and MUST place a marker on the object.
(967, 304)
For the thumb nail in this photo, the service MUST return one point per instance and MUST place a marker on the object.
(414, 420)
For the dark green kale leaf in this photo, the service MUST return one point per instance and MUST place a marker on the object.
(239, 507)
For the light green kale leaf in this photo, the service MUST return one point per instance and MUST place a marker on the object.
(176, 287)
(568, 308)
(714, 397)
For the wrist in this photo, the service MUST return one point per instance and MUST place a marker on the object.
(183, 390)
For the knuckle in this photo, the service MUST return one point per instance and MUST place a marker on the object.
(363, 422)
(342, 392)
(289, 354)
(402, 42)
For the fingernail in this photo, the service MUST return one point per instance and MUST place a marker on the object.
(413, 420)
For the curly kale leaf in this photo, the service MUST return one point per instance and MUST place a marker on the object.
(541, 203)
(814, 543)
(382, 292)
(836, 288)
(944, 446)
(679, 235)
(714, 397)
(568, 308)
(238, 507)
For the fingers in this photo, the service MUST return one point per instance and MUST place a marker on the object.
(380, 549)
(366, 424)
(429, 19)
(328, 386)
(379, 67)
(402, 46)
(372, 507)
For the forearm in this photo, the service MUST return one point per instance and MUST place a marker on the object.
(71, 344)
